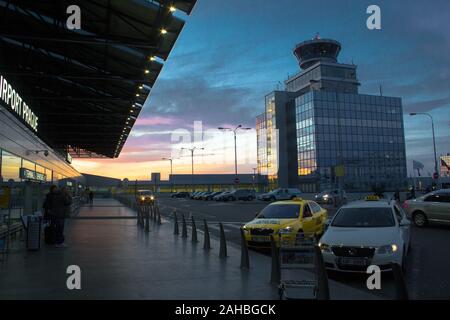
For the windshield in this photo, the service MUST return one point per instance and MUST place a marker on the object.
(145, 193)
(280, 211)
(364, 218)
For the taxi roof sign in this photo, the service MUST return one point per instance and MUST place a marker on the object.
(372, 198)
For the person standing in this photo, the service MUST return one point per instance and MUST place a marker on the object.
(48, 203)
(91, 198)
(60, 205)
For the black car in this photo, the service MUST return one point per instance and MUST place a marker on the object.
(180, 195)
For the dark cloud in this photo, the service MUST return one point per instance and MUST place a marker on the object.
(194, 99)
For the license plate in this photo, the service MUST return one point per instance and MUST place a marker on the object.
(352, 261)
(261, 239)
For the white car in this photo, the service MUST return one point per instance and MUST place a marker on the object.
(364, 233)
(280, 194)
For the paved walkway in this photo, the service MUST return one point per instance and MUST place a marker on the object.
(118, 260)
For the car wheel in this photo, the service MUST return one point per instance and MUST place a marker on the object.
(272, 198)
(420, 219)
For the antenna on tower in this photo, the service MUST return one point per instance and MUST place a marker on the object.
(381, 90)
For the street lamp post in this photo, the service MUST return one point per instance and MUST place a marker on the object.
(235, 146)
(171, 171)
(254, 174)
(434, 140)
(192, 163)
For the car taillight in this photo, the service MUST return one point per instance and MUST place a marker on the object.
(405, 205)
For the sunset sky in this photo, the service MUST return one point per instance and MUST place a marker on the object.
(232, 53)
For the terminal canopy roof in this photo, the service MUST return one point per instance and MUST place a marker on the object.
(87, 86)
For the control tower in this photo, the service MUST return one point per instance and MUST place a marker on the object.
(312, 51)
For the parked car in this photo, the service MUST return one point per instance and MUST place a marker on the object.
(287, 221)
(241, 194)
(280, 194)
(180, 195)
(221, 196)
(203, 195)
(330, 197)
(431, 207)
(366, 232)
(193, 194)
(199, 195)
(211, 195)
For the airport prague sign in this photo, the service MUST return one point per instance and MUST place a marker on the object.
(15, 104)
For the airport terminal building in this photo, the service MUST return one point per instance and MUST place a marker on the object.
(321, 133)
(68, 94)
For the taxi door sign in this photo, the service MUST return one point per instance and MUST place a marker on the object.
(5, 196)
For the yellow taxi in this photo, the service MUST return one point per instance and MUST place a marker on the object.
(286, 221)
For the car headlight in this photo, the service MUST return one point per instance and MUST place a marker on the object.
(142, 198)
(324, 247)
(152, 198)
(286, 230)
(388, 249)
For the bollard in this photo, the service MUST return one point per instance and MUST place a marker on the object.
(175, 227)
(147, 219)
(154, 212)
(159, 216)
(194, 231)
(401, 292)
(183, 228)
(275, 272)
(207, 242)
(138, 218)
(323, 290)
(245, 261)
(223, 243)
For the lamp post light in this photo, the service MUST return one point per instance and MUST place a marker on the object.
(239, 127)
(192, 163)
(171, 171)
(436, 171)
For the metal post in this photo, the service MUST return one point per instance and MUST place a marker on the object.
(154, 212)
(223, 242)
(206, 243)
(323, 290)
(194, 231)
(245, 261)
(183, 228)
(175, 227)
(235, 155)
(159, 216)
(147, 218)
(275, 272)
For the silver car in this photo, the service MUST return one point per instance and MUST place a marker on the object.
(431, 207)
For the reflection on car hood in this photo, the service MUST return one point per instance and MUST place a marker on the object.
(360, 236)
(269, 223)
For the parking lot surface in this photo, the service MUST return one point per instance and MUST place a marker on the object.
(427, 263)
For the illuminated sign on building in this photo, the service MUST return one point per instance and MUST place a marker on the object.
(31, 175)
(15, 103)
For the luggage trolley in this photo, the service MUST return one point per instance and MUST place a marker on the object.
(298, 278)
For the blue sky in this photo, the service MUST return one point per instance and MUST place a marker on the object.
(232, 53)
